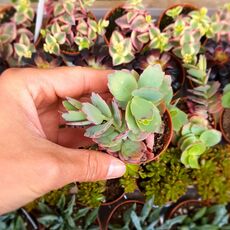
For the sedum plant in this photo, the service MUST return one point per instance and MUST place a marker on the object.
(65, 216)
(167, 179)
(72, 28)
(125, 127)
(129, 180)
(195, 139)
(208, 217)
(212, 179)
(91, 194)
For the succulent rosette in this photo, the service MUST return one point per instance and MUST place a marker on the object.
(126, 127)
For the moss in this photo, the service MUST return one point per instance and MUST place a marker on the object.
(166, 179)
(213, 178)
(91, 193)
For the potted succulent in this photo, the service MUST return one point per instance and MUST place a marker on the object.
(128, 31)
(71, 28)
(124, 130)
(167, 179)
(66, 215)
(170, 14)
(95, 194)
(193, 214)
(212, 180)
(224, 118)
(16, 33)
(134, 214)
(217, 48)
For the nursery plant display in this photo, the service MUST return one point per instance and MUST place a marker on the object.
(169, 100)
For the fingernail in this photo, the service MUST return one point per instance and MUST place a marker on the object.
(116, 169)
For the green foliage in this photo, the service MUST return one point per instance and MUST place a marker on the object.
(195, 139)
(147, 218)
(226, 97)
(166, 179)
(12, 221)
(91, 194)
(213, 177)
(65, 216)
(129, 179)
(126, 126)
(174, 12)
(214, 217)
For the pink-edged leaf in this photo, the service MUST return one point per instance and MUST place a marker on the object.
(131, 15)
(150, 141)
(117, 115)
(138, 45)
(80, 123)
(122, 22)
(139, 24)
(116, 37)
(58, 9)
(143, 38)
(82, 27)
(98, 130)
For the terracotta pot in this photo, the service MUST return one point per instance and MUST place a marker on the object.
(108, 16)
(184, 204)
(221, 126)
(189, 8)
(118, 206)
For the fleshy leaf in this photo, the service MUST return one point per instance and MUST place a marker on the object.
(211, 137)
(74, 116)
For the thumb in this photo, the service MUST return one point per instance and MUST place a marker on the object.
(71, 165)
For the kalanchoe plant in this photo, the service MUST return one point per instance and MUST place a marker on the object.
(226, 97)
(166, 179)
(127, 126)
(65, 216)
(131, 34)
(72, 28)
(196, 138)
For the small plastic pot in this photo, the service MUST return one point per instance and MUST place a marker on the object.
(184, 204)
(186, 9)
(119, 206)
(225, 134)
(111, 17)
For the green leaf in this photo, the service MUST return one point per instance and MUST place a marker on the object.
(151, 77)
(68, 106)
(199, 214)
(60, 37)
(131, 148)
(193, 162)
(179, 118)
(211, 137)
(91, 217)
(77, 104)
(150, 94)
(121, 84)
(117, 116)
(135, 220)
(74, 116)
(131, 122)
(226, 100)
(101, 104)
(93, 114)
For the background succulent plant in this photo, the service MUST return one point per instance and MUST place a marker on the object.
(195, 139)
(122, 128)
(166, 179)
(212, 179)
(72, 28)
(226, 97)
(65, 216)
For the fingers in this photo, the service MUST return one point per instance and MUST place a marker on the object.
(49, 84)
(80, 165)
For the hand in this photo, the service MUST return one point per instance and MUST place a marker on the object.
(35, 155)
